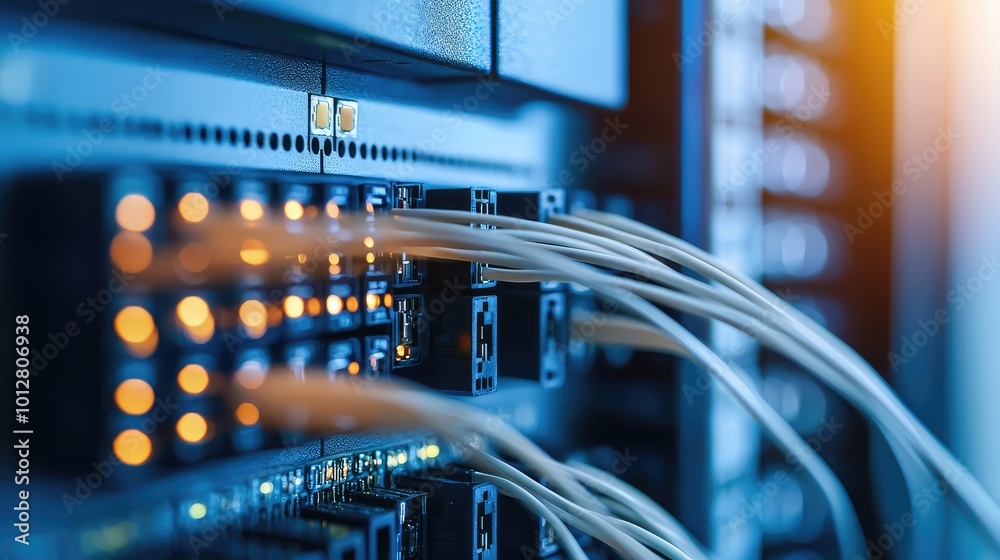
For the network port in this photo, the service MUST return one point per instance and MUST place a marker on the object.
(408, 343)
(461, 355)
(409, 270)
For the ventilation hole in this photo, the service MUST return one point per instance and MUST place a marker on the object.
(260, 139)
(352, 149)
(327, 146)
(385, 153)
(203, 134)
(395, 154)
(247, 138)
(416, 156)
(218, 135)
(374, 151)
(300, 143)
(274, 141)
(233, 136)
(341, 148)
(314, 145)
(188, 132)
(364, 151)
(286, 143)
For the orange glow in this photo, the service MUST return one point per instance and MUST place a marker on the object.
(131, 252)
(334, 259)
(193, 379)
(202, 333)
(334, 304)
(253, 315)
(251, 210)
(294, 307)
(254, 253)
(294, 210)
(134, 324)
(134, 396)
(370, 258)
(192, 311)
(193, 207)
(332, 209)
(352, 304)
(135, 213)
(372, 301)
(314, 306)
(369, 242)
(387, 299)
(247, 414)
(192, 427)
(145, 348)
(354, 368)
(132, 447)
(194, 257)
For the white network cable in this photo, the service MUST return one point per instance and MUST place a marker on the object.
(638, 507)
(902, 443)
(877, 398)
(848, 531)
(415, 233)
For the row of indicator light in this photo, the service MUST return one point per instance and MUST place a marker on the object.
(132, 252)
(253, 210)
(135, 325)
(135, 214)
(135, 397)
(199, 510)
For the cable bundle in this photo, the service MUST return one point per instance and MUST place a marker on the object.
(589, 248)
